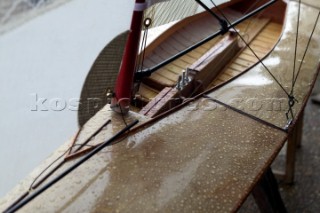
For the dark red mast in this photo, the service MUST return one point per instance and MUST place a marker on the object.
(124, 83)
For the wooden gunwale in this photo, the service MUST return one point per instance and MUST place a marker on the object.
(151, 121)
(268, 161)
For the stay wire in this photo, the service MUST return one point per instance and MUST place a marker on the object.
(142, 51)
(296, 47)
(147, 23)
(305, 52)
(247, 45)
(122, 116)
(26, 200)
(249, 9)
(144, 46)
(33, 186)
(58, 158)
(223, 57)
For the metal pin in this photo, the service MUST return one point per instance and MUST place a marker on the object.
(179, 83)
(183, 78)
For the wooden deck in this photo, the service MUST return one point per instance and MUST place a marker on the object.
(187, 160)
(262, 44)
(260, 33)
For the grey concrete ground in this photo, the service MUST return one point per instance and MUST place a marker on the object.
(304, 194)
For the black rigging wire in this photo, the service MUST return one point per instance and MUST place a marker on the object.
(296, 47)
(70, 169)
(305, 52)
(247, 45)
(53, 162)
(295, 77)
(149, 71)
(147, 23)
(122, 115)
(222, 22)
(249, 9)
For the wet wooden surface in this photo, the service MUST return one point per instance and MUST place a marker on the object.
(260, 32)
(203, 157)
(170, 165)
(268, 101)
(303, 194)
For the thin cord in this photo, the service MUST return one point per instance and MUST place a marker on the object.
(122, 115)
(147, 23)
(250, 8)
(44, 170)
(144, 48)
(260, 61)
(296, 47)
(142, 51)
(305, 52)
(26, 200)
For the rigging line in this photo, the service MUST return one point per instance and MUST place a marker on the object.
(149, 71)
(250, 8)
(93, 135)
(305, 52)
(144, 48)
(222, 22)
(75, 138)
(70, 169)
(296, 47)
(140, 57)
(247, 45)
(33, 186)
(122, 116)
(224, 56)
(244, 113)
(147, 23)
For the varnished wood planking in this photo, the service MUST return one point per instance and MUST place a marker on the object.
(147, 92)
(261, 45)
(243, 62)
(248, 57)
(183, 38)
(187, 36)
(232, 72)
(161, 79)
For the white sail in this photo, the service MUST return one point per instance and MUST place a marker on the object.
(168, 11)
(165, 11)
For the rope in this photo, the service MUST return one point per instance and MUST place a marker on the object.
(58, 158)
(26, 200)
(251, 21)
(296, 46)
(305, 52)
(245, 114)
(247, 45)
(291, 101)
(122, 115)
(147, 23)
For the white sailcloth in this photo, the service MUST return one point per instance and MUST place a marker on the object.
(162, 12)
(165, 11)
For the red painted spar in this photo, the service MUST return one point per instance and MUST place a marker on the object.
(123, 88)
